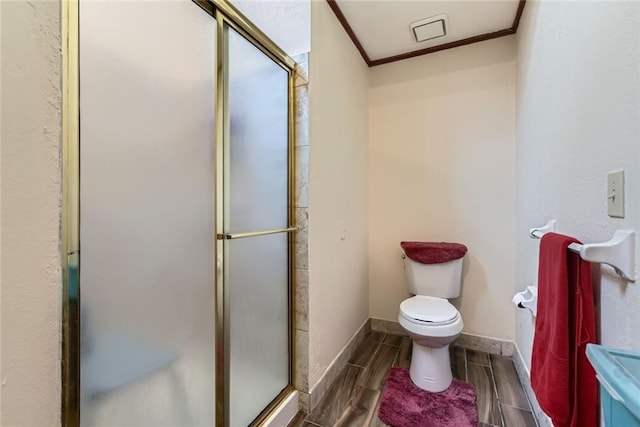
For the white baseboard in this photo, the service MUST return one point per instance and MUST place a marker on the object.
(387, 326)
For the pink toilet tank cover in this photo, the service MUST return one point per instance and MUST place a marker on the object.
(433, 252)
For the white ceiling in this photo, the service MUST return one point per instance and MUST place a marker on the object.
(382, 26)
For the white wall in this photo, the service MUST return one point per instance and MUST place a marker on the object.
(30, 277)
(338, 287)
(578, 117)
(441, 168)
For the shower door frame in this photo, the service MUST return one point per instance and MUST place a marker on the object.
(223, 14)
(227, 15)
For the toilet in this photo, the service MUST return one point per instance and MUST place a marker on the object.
(433, 273)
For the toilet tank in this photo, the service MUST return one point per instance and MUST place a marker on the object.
(440, 280)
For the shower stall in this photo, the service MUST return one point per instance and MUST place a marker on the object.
(178, 215)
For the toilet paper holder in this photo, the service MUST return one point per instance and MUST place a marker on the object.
(527, 299)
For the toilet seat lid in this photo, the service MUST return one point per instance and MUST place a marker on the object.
(428, 309)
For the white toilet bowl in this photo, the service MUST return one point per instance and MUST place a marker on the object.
(433, 324)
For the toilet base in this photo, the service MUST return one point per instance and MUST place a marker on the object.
(430, 368)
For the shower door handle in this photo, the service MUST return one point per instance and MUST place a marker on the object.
(231, 236)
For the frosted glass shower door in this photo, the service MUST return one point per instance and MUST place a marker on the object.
(256, 228)
(147, 273)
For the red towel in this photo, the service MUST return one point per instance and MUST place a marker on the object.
(561, 376)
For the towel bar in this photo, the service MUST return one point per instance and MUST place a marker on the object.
(618, 252)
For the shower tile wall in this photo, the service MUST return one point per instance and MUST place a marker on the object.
(301, 380)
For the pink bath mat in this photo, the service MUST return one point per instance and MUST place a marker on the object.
(403, 404)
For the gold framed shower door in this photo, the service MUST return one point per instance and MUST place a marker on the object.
(224, 13)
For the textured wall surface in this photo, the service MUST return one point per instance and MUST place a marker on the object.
(286, 22)
(578, 117)
(30, 277)
(338, 283)
(441, 168)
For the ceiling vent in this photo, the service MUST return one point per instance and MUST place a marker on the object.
(429, 28)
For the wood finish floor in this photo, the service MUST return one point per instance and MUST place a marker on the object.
(353, 398)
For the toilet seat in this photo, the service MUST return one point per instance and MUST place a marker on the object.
(428, 310)
(441, 318)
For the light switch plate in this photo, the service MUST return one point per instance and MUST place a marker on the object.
(615, 194)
